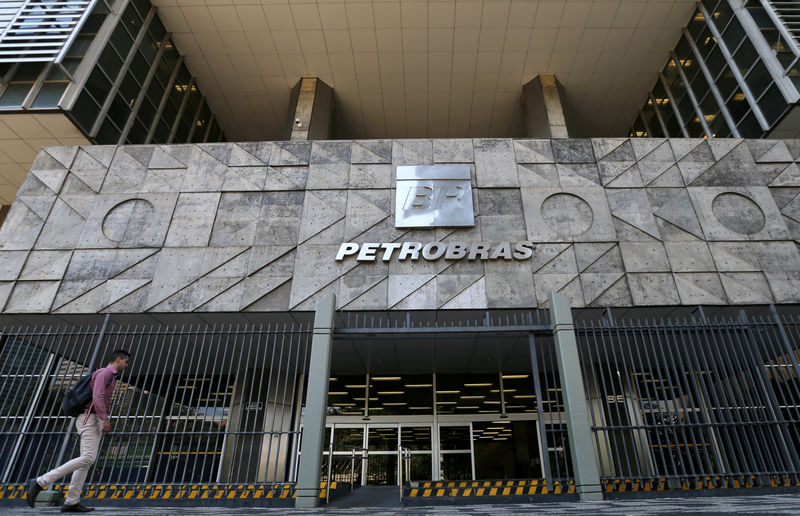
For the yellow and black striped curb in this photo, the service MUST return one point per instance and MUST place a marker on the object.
(175, 492)
(706, 482)
(491, 488)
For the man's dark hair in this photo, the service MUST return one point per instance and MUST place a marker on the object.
(118, 353)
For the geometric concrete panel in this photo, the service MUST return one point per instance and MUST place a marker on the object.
(510, 284)
(567, 215)
(128, 220)
(453, 151)
(178, 267)
(533, 151)
(11, 263)
(633, 207)
(64, 227)
(785, 285)
(736, 213)
(192, 220)
(644, 257)
(700, 288)
(689, 256)
(653, 289)
(371, 151)
(236, 219)
(32, 296)
(255, 226)
(495, 164)
(46, 265)
(746, 288)
(734, 256)
(328, 176)
(21, 228)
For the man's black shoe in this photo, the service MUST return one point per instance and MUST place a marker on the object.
(76, 507)
(32, 491)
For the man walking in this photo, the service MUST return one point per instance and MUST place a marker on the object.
(90, 425)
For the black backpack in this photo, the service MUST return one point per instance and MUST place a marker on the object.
(76, 399)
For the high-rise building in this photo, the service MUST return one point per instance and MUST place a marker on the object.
(734, 73)
(466, 248)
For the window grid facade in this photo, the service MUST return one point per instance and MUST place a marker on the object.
(717, 83)
(133, 91)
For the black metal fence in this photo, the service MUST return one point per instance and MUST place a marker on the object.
(199, 404)
(694, 397)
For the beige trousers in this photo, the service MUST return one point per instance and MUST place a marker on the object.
(90, 433)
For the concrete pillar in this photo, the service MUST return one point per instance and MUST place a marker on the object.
(310, 111)
(542, 104)
(260, 404)
(308, 476)
(584, 460)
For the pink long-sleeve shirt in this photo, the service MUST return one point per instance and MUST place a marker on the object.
(103, 382)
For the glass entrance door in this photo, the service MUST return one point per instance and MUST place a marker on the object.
(455, 452)
(382, 462)
(378, 465)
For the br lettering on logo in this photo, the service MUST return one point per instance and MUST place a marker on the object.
(434, 196)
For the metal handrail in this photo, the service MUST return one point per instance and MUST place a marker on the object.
(353, 450)
(403, 461)
(777, 12)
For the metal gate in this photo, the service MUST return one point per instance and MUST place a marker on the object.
(199, 404)
(696, 398)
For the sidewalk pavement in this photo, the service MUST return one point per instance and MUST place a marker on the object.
(762, 504)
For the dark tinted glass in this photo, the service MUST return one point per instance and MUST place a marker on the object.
(758, 79)
(719, 128)
(98, 85)
(132, 20)
(733, 35)
(28, 72)
(129, 89)
(683, 50)
(119, 111)
(696, 25)
(85, 111)
(727, 83)
(695, 129)
(148, 48)
(737, 106)
(137, 133)
(110, 62)
(121, 40)
(750, 128)
(746, 57)
(686, 109)
(156, 29)
(722, 15)
(108, 134)
(161, 134)
(772, 104)
(715, 62)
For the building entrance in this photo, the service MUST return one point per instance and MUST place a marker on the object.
(452, 449)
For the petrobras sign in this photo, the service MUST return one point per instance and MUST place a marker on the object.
(373, 251)
(433, 196)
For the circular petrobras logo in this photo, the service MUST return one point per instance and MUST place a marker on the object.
(433, 196)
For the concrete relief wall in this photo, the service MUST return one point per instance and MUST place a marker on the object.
(256, 226)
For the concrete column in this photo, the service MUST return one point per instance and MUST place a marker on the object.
(542, 104)
(584, 460)
(308, 476)
(310, 111)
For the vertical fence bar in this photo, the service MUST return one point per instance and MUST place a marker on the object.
(548, 475)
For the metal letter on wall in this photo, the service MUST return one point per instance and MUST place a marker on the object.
(434, 196)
